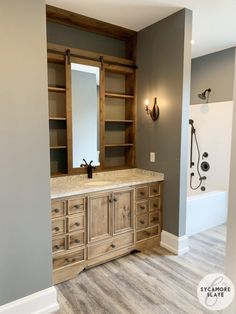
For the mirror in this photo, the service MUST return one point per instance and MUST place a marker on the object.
(85, 82)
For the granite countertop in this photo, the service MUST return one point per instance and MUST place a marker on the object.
(80, 184)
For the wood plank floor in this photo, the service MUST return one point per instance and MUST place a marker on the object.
(149, 282)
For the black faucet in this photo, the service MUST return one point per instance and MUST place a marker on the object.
(89, 167)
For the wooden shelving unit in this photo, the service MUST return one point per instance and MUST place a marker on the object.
(57, 114)
(119, 117)
(117, 111)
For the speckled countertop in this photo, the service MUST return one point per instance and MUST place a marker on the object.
(80, 184)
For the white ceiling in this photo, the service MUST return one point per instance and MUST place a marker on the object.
(214, 21)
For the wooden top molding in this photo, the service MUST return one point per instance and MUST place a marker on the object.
(72, 19)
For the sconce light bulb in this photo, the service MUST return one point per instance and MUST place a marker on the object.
(146, 102)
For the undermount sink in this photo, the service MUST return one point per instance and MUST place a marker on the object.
(94, 183)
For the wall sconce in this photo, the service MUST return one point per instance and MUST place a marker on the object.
(154, 113)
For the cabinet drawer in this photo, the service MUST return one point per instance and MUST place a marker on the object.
(145, 234)
(154, 218)
(141, 193)
(154, 189)
(75, 223)
(58, 226)
(59, 244)
(142, 221)
(76, 239)
(154, 204)
(111, 245)
(75, 206)
(68, 259)
(58, 209)
(141, 208)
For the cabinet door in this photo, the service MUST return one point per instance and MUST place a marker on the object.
(99, 217)
(123, 211)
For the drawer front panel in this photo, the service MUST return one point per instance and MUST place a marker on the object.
(145, 234)
(154, 218)
(142, 221)
(68, 259)
(154, 204)
(154, 189)
(58, 209)
(76, 239)
(141, 193)
(76, 206)
(58, 226)
(75, 223)
(141, 208)
(111, 245)
(59, 244)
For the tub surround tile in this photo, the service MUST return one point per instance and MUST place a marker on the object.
(80, 184)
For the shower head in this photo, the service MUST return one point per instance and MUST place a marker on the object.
(203, 95)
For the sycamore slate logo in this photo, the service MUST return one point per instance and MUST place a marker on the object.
(215, 291)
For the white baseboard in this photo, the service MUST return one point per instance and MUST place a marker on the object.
(174, 244)
(42, 302)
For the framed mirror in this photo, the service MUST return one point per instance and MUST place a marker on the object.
(85, 108)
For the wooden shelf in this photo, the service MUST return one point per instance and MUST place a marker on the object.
(116, 95)
(57, 119)
(58, 174)
(56, 89)
(119, 145)
(58, 147)
(118, 121)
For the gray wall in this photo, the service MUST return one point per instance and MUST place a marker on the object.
(77, 38)
(215, 70)
(25, 238)
(164, 61)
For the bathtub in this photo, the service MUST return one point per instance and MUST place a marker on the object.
(205, 211)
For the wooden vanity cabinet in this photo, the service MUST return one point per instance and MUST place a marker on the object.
(148, 214)
(98, 227)
(68, 237)
(110, 215)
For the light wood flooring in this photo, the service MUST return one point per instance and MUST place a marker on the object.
(150, 282)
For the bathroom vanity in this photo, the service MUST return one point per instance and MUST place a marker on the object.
(96, 220)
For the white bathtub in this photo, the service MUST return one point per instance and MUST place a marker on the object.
(205, 211)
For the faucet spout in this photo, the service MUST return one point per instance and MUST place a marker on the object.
(89, 167)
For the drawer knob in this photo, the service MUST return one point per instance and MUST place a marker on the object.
(56, 210)
(142, 207)
(141, 221)
(155, 205)
(77, 241)
(110, 200)
(142, 193)
(56, 228)
(113, 245)
(56, 247)
(77, 224)
(115, 199)
(155, 190)
(77, 206)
